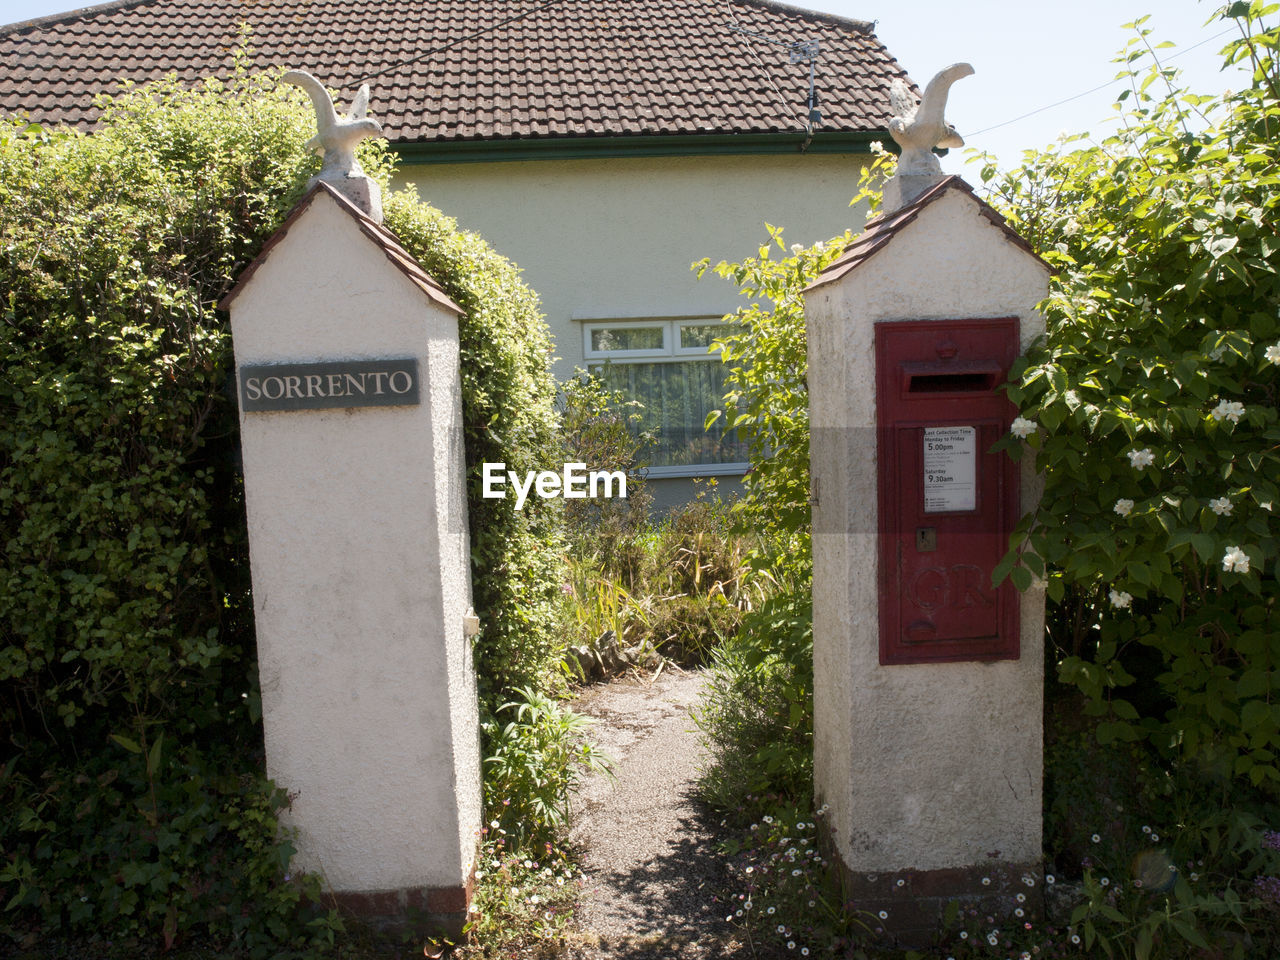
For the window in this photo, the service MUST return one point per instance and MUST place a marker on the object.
(665, 365)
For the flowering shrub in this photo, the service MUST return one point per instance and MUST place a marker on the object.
(523, 901)
(1154, 405)
(783, 892)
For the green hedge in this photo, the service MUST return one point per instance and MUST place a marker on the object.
(127, 665)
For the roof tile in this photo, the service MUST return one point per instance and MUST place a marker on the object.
(650, 67)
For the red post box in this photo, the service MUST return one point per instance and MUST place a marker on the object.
(947, 504)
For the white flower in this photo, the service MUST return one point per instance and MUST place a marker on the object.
(1096, 839)
(1235, 560)
(1273, 353)
(1021, 898)
(964, 934)
(1049, 878)
(1124, 506)
(1120, 600)
(884, 914)
(986, 881)
(791, 944)
(781, 928)
(1141, 458)
(1071, 228)
(1105, 882)
(992, 939)
(796, 248)
(1022, 427)
(1222, 506)
(1155, 838)
(1231, 410)
(1075, 938)
(876, 146)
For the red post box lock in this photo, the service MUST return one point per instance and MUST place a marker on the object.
(947, 504)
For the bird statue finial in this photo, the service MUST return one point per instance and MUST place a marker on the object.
(336, 138)
(918, 128)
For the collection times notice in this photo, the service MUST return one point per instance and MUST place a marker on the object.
(950, 469)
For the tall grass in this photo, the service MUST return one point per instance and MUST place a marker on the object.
(666, 590)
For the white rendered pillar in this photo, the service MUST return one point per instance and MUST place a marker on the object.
(347, 374)
(931, 770)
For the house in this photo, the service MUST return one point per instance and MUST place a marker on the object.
(603, 147)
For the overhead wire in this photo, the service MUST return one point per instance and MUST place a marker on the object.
(736, 29)
(1101, 86)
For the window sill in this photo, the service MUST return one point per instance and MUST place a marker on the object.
(696, 470)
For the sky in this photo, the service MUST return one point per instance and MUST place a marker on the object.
(1027, 56)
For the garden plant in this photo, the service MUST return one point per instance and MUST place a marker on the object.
(1151, 409)
(134, 813)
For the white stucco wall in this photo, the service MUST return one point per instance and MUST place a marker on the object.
(358, 545)
(924, 766)
(603, 239)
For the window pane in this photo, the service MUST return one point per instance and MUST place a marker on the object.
(626, 338)
(677, 398)
(694, 335)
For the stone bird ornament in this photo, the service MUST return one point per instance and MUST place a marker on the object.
(919, 127)
(336, 137)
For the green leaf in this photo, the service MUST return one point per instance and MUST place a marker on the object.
(153, 756)
(1142, 946)
(130, 745)
(1124, 710)
(1254, 714)
(1021, 578)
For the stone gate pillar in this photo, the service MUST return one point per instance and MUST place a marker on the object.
(350, 422)
(928, 681)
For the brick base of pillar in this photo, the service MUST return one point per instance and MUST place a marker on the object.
(426, 911)
(914, 902)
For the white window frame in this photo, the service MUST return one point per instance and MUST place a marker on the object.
(672, 352)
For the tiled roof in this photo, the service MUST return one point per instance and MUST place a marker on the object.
(565, 68)
(880, 232)
(383, 238)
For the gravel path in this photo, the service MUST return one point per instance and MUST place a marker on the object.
(648, 845)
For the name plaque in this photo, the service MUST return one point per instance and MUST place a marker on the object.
(331, 383)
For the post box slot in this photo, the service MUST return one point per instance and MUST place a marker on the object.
(950, 382)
